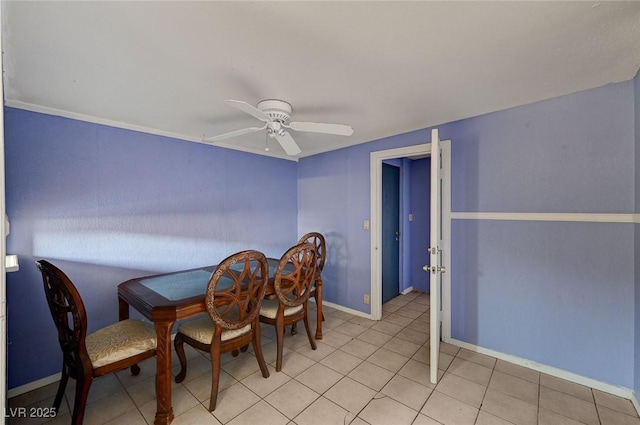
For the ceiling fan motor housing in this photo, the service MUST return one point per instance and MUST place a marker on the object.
(277, 110)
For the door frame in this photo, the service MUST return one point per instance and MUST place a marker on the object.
(422, 150)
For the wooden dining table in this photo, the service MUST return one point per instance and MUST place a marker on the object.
(168, 297)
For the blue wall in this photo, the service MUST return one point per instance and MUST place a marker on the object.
(106, 205)
(559, 293)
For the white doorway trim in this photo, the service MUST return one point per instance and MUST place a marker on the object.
(376, 225)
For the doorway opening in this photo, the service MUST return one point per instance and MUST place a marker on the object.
(377, 159)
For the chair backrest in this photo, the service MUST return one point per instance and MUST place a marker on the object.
(316, 239)
(236, 289)
(69, 316)
(295, 274)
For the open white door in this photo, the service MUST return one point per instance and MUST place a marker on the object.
(435, 268)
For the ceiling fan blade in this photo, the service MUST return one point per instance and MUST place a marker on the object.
(318, 127)
(249, 109)
(288, 144)
(233, 134)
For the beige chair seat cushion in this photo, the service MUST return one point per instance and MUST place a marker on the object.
(201, 329)
(119, 341)
(269, 309)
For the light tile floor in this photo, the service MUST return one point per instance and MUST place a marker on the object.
(363, 372)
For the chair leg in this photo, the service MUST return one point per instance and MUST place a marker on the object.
(257, 349)
(294, 329)
(319, 313)
(215, 370)
(306, 326)
(135, 370)
(178, 343)
(61, 387)
(315, 295)
(280, 341)
(82, 392)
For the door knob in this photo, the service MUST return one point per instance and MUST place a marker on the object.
(434, 269)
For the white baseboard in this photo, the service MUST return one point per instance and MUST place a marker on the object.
(347, 310)
(635, 401)
(406, 291)
(34, 385)
(553, 371)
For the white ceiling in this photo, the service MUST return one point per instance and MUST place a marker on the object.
(384, 67)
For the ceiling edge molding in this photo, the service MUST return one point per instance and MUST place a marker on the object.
(95, 120)
(141, 129)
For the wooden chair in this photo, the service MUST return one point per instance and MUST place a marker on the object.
(84, 357)
(316, 239)
(233, 299)
(293, 281)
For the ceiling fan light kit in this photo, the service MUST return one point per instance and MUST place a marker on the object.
(276, 114)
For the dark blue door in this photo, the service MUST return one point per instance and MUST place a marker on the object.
(390, 232)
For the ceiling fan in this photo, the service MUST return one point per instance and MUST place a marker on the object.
(275, 114)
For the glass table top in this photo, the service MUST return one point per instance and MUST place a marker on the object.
(180, 285)
(190, 283)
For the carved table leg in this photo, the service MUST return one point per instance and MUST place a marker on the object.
(164, 411)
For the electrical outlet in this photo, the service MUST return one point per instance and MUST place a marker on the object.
(365, 225)
(366, 299)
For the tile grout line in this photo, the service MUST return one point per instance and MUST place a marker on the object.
(539, 395)
(593, 397)
(485, 392)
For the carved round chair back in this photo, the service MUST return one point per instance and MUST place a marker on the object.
(295, 274)
(236, 289)
(317, 240)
